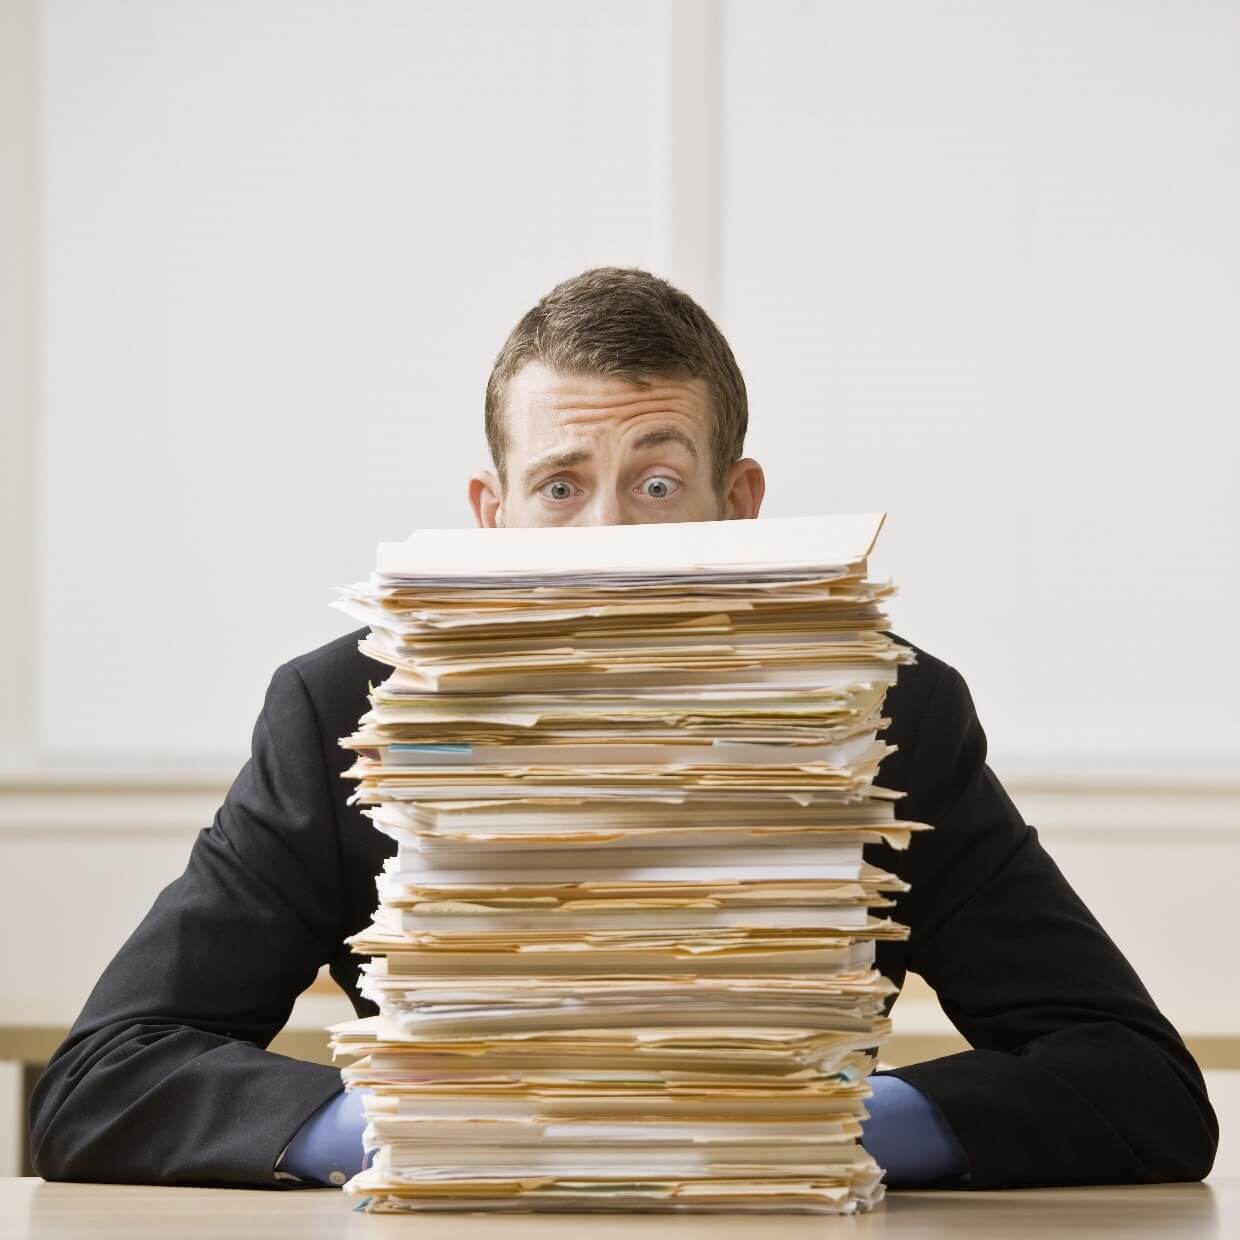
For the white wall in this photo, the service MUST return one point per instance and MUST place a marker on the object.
(978, 260)
(284, 242)
(982, 262)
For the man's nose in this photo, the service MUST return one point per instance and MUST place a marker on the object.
(607, 508)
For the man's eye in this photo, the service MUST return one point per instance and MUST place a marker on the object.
(659, 487)
(557, 489)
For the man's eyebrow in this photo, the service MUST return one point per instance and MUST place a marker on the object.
(555, 460)
(666, 434)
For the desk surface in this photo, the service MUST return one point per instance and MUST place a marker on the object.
(31, 1208)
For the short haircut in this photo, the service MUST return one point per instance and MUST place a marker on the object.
(626, 322)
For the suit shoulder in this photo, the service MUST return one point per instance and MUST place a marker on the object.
(907, 701)
(916, 680)
(337, 677)
(905, 706)
(336, 658)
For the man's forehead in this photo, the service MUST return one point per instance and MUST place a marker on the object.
(541, 401)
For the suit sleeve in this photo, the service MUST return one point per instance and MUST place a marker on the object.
(1075, 1077)
(164, 1078)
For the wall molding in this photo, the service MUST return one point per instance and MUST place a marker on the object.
(1172, 807)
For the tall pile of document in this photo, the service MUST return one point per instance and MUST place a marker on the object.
(624, 950)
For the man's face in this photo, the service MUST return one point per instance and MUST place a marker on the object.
(599, 450)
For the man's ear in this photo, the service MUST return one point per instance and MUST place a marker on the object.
(485, 498)
(743, 489)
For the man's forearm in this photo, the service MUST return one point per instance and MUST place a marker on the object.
(162, 1079)
(158, 1103)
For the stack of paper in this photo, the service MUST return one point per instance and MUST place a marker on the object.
(624, 950)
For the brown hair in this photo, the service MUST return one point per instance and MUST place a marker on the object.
(626, 322)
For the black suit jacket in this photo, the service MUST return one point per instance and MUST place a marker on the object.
(1075, 1076)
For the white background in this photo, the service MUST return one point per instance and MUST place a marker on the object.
(979, 262)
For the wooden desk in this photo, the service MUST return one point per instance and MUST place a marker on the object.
(31, 1208)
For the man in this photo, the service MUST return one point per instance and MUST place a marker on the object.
(615, 400)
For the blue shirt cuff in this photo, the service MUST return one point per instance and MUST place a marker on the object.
(327, 1148)
(908, 1136)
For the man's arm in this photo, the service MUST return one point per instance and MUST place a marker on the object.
(163, 1078)
(1075, 1076)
